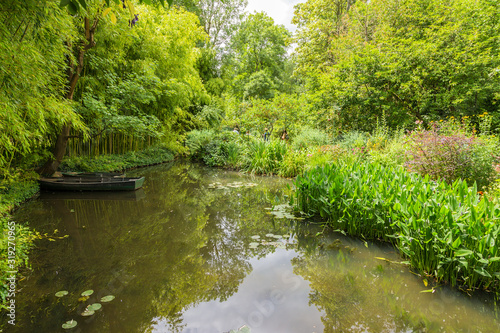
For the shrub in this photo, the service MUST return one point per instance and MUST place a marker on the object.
(264, 157)
(293, 163)
(309, 137)
(353, 139)
(389, 152)
(118, 162)
(452, 156)
(196, 140)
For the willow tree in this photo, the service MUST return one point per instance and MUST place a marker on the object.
(32, 80)
(86, 17)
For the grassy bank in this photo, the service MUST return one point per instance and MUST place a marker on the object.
(16, 240)
(118, 162)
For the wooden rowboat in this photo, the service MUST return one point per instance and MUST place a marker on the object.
(88, 183)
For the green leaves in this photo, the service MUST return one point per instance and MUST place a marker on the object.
(441, 228)
(69, 324)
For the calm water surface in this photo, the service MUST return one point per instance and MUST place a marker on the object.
(177, 255)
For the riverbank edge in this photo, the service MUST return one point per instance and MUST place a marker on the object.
(29, 189)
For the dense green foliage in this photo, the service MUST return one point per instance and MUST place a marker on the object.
(32, 62)
(446, 231)
(118, 162)
(412, 59)
(115, 84)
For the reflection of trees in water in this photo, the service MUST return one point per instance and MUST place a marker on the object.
(181, 245)
(358, 293)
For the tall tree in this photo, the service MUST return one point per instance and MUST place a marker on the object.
(32, 81)
(220, 17)
(87, 15)
(258, 45)
(410, 59)
(88, 20)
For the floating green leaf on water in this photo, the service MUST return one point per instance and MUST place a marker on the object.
(253, 245)
(94, 307)
(87, 313)
(277, 236)
(61, 293)
(255, 237)
(69, 324)
(108, 298)
(269, 235)
(87, 292)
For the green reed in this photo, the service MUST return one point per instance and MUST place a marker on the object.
(445, 230)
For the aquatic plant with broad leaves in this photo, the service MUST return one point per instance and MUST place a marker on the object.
(447, 231)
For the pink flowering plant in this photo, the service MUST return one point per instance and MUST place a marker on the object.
(450, 151)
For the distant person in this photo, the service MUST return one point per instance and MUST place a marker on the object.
(284, 136)
(236, 130)
(266, 134)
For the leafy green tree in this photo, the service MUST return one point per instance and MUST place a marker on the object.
(32, 81)
(75, 6)
(409, 60)
(258, 45)
(140, 82)
(220, 18)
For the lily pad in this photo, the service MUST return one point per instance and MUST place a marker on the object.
(61, 293)
(253, 245)
(87, 292)
(87, 313)
(255, 237)
(269, 235)
(69, 324)
(277, 236)
(94, 307)
(108, 298)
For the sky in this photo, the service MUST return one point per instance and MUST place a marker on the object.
(280, 10)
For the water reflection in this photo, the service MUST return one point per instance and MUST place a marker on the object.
(177, 258)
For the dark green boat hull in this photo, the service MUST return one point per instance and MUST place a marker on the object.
(91, 184)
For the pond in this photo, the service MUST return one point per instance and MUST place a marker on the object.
(202, 250)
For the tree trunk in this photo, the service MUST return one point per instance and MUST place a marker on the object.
(73, 74)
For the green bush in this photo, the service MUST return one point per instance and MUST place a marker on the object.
(389, 151)
(196, 140)
(309, 137)
(264, 157)
(353, 139)
(293, 163)
(445, 230)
